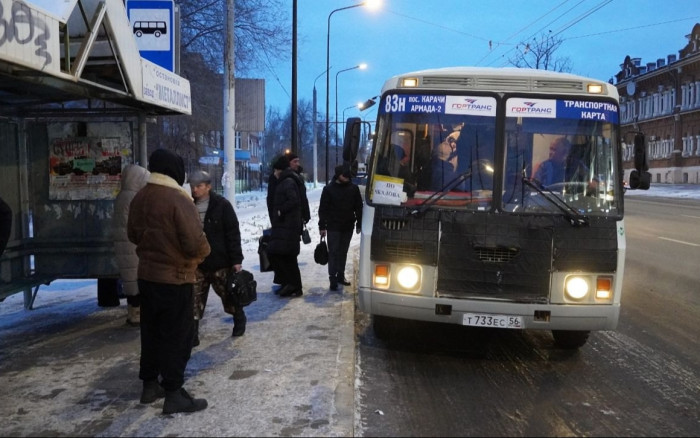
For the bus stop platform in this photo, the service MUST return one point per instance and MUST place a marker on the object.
(70, 367)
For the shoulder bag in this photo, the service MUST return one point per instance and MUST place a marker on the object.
(241, 288)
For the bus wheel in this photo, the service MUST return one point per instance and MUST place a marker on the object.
(570, 339)
(382, 326)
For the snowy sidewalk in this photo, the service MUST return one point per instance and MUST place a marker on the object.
(70, 367)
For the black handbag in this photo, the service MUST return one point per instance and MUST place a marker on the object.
(265, 265)
(321, 252)
(305, 237)
(241, 288)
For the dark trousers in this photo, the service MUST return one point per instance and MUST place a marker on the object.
(338, 245)
(167, 327)
(287, 268)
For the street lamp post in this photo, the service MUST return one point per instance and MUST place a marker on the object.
(328, 67)
(345, 109)
(315, 133)
(361, 67)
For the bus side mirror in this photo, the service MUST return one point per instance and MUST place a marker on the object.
(351, 141)
(640, 178)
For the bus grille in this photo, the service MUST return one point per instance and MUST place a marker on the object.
(452, 81)
(404, 250)
(559, 85)
(496, 255)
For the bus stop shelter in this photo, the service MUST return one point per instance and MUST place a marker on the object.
(75, 100)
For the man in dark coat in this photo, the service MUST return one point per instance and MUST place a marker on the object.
(223, 233)
(287, 225)
(339, 212)
(280, 164)
(295, 164)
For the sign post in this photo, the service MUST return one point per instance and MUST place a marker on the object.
(153, 26)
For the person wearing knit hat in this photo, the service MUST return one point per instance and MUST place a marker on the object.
(281, 163)
(164, 225)
(288, 208)
(168, 163)
(339, 211)
(295, 164)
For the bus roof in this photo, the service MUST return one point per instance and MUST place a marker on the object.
(504, 79)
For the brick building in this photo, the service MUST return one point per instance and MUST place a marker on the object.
(662, 100)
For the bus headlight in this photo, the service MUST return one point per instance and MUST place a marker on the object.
(408, 277)
(576, 288)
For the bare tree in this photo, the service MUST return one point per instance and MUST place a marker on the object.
(187, 134)
(278, 136)
(540, 54)
(262, 32)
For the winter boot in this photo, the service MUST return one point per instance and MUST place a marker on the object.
(133, 316)
(152, 391)
(195, 336)
(180, 401)
(239, 320)
(334, 282)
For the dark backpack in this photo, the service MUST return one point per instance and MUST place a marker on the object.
(241, 288)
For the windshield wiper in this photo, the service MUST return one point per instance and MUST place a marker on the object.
(574, 217)
(435, 197)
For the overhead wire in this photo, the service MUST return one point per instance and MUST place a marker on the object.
(634, 28)
(489, 52)
(562, 29)
(494, 44)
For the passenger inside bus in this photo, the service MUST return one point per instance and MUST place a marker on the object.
(561, 166)
(444, 162)
(401, 145)
(553, 169)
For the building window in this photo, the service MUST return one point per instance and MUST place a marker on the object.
(238, 140)
(687, 146)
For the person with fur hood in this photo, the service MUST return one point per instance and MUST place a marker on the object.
(134, 178)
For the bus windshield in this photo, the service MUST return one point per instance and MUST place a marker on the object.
(445, 151)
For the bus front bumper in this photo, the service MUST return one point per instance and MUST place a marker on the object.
(452, 311)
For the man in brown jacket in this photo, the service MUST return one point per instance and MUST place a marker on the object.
(164, 224)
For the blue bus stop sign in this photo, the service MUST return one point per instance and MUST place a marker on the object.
(152, 23)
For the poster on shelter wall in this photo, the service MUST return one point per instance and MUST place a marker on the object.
(85, 168)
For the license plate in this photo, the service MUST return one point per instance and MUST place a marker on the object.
(495, 321)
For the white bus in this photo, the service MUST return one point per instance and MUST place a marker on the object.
(494, 198)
